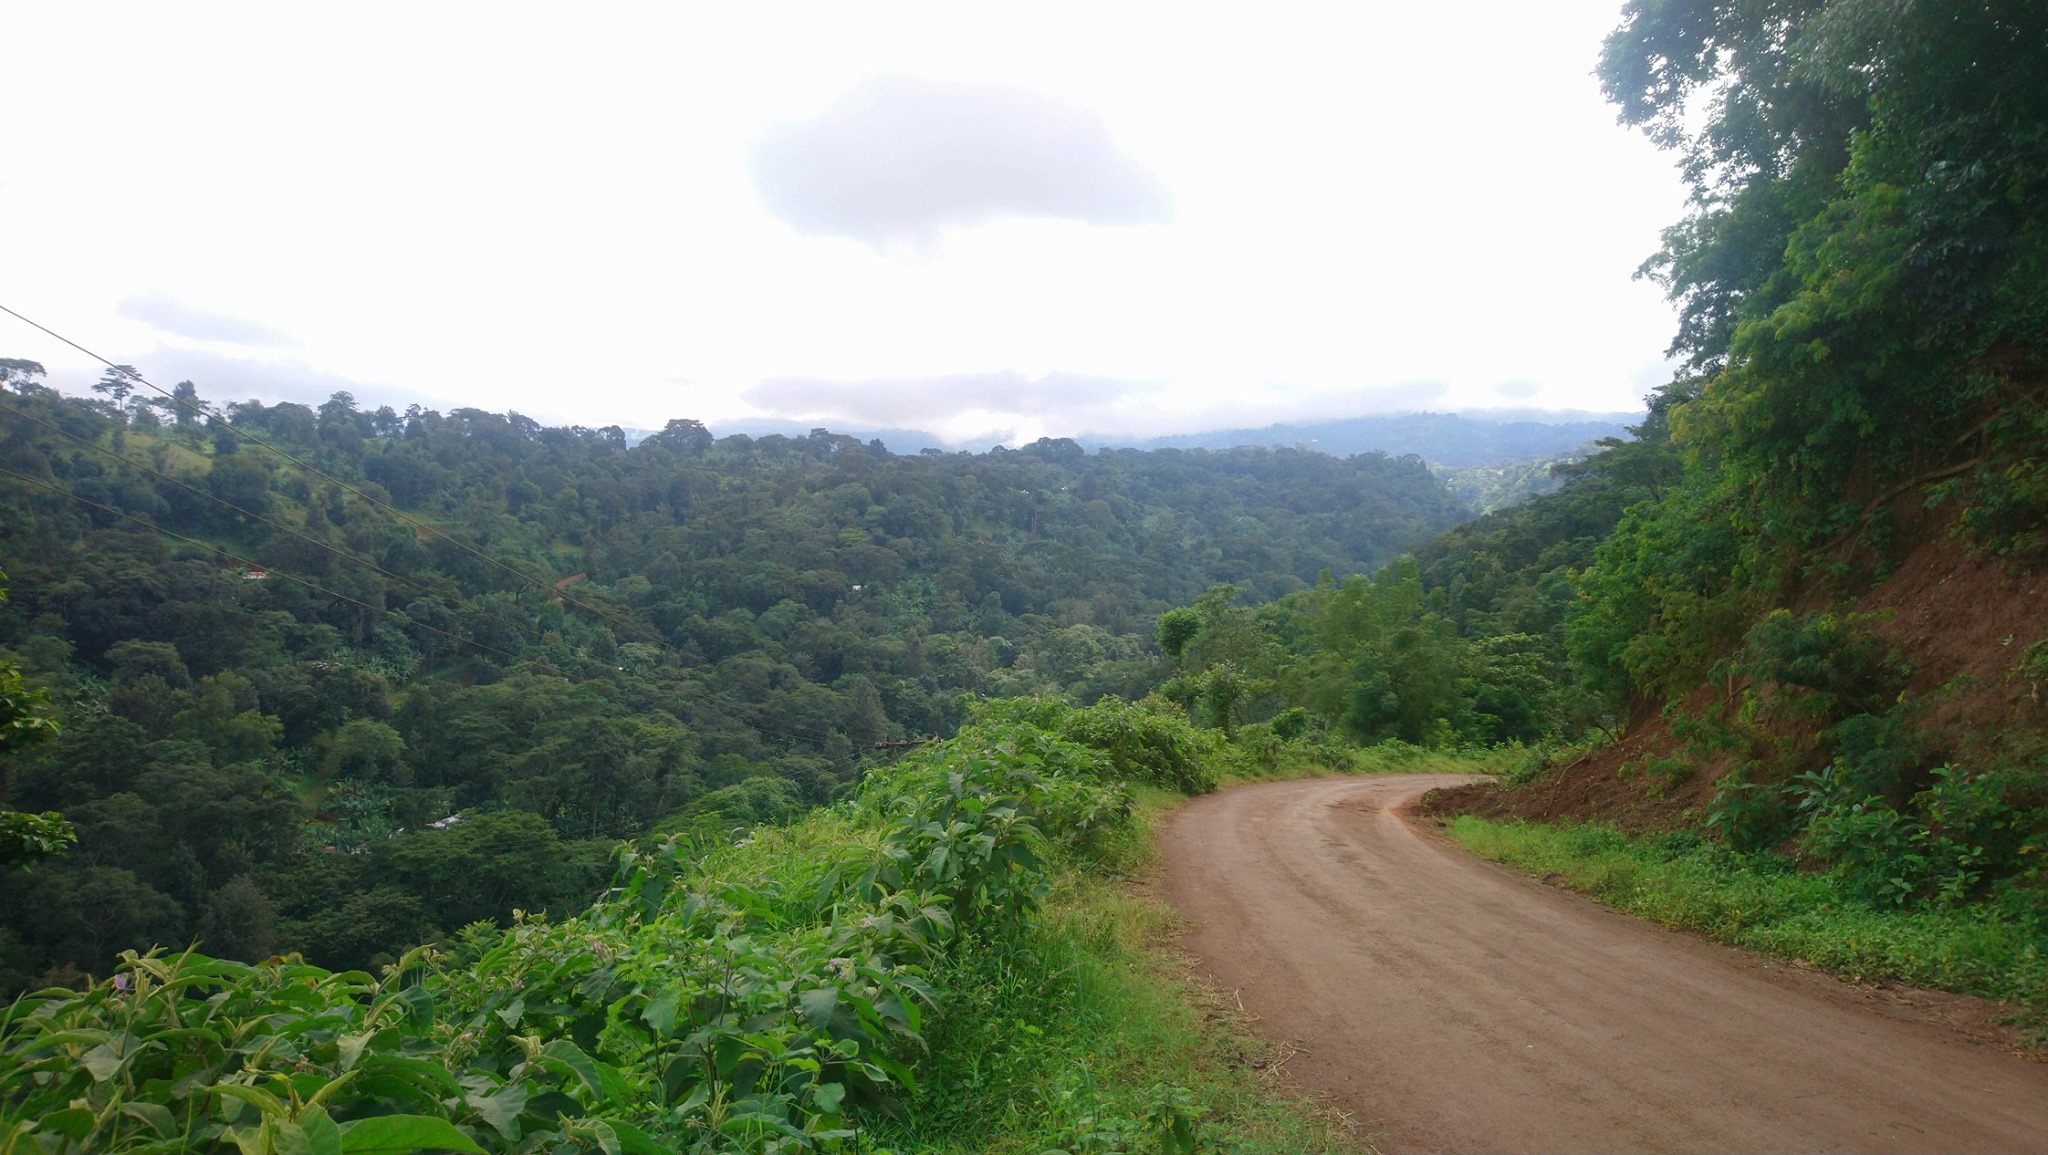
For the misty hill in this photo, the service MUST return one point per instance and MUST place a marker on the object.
(1447, 439)
(898, 441)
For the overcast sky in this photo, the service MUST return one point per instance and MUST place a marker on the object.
(1043, 218)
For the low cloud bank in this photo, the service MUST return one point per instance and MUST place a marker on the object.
(898, 161)
(167, 314)
(1012, 407)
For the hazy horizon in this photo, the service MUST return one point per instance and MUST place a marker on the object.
(1050, 221)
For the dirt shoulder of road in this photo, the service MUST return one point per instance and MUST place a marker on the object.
(1984, 1022)
(1457, 1005)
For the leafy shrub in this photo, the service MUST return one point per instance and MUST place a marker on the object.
(2007, 499)
(1961, 830)
(1825, 666)
(1662, 598)
(1749, 816)
(2032, 668)
(188, 1053)
(763, 996)
(1147, 742)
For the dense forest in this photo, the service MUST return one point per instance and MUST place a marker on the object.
(343, 681)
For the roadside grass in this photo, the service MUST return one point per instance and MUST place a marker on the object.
(1396, 757)
(1763, 902)
(1258, 757)
(1088, 1035)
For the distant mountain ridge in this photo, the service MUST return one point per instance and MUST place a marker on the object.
(1452, 440)
(1445, 439)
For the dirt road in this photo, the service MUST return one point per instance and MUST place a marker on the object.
(1462, 1007)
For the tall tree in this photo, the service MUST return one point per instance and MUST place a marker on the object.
(1860, 277)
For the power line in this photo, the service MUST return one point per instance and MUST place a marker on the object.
(198, 407)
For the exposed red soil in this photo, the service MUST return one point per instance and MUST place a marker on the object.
(1961, 620)
(1963, 616)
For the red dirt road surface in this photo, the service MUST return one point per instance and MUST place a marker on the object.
(1461, 1007)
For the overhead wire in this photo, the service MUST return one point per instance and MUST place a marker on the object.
(199, 408)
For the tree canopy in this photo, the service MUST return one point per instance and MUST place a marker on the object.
(344, 681)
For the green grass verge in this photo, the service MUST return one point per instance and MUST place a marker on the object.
(1089, 1036)
(1259, 758)
(1402, 758)
(1762, 902)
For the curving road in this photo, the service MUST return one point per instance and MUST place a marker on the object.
(1461, 1007)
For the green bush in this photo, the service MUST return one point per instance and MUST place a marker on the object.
(763, 996)
(1147, 742)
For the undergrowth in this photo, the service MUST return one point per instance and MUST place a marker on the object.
(1088, 1037)
(1761, 901)
(951, 961)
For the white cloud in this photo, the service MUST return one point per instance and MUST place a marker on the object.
(1010, 406)
(898, 160)
(167, 314)
(223, 377)
(575, 213)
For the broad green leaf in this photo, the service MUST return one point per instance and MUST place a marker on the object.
(256, 1097)
(607, 1138)
(403, 1135)
(330, 1088)
(555, 1106)
(634, 1141)
(900, 1010)
(660, 1013)
(418, 1002)
(818, 1005)
(501, 1108)
(512, 1011)
(104, 1062)
(323, 1136)
(257, 1140)
(154, 1116)
(421, 1072)
(351, 1049)
(699, 1095)
(74, 1123)
(68, 1038)
(290, 1138)
(572, 1056)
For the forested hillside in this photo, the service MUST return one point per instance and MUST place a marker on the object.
(1801, 612)
(346, 682)
(343, 681)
